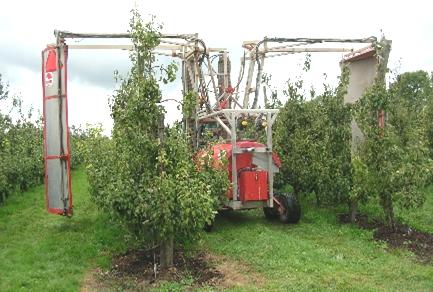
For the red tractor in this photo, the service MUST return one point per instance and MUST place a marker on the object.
(252, 176)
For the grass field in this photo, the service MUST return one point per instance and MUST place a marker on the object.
(317, 254)
(43, 252)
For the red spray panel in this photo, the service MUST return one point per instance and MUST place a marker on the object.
(58, 194)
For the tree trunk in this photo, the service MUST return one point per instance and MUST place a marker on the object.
(318, 202)
(166, 253)
(353, 206)
(388, 209)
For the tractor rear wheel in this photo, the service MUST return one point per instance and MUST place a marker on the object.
(289, 210)
(270, 213)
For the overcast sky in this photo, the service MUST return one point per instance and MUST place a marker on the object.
(27, 26)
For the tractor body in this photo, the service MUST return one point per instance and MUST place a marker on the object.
(251, 171)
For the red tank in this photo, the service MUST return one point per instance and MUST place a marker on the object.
(252, 180)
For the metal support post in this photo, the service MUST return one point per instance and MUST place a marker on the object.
(232, 121)
(270, 159)
(249, 81)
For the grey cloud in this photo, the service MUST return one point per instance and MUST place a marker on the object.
(20, 56)
(95, 67)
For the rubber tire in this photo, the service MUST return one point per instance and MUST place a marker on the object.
(270, 213)
(292, 213)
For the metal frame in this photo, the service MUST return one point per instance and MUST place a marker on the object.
(198, 74)
(231, 116)
(256, 56)
(257, 51)
(58, 190)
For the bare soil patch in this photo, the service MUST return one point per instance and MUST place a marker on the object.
(135, 271)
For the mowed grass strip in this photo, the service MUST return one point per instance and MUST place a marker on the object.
(44, 252)
(316, 254)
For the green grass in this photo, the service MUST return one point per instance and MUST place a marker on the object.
(420, 218)
(43, 252)
(316, 254)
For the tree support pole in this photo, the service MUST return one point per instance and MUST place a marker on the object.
(166, 253)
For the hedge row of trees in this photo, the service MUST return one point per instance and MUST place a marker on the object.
(21, 152)
(145, 174)
(21, 145)
(313, 137)
(394, 163)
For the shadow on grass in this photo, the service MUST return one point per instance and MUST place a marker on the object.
(238, 218)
